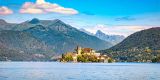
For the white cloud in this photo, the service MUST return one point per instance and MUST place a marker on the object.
(5, 10)
(45, 7)
(117, 30)
(40, 1)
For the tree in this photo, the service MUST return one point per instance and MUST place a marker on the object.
(87, 58)
(67, 57)
(155, 60)
(110, 60)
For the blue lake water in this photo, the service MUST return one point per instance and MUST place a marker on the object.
(78, 71)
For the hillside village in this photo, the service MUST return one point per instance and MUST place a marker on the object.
(85, 55)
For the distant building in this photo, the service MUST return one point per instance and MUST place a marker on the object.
(88, 51)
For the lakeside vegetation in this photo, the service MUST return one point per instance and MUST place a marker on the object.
(85, 55)
(155, 60)
(83, 58)
(135, 55)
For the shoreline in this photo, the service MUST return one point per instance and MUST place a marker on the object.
(68, 62)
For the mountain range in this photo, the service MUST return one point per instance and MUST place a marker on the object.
(113, 39)
(42, 39)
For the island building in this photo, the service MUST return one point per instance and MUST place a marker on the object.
(88, 51)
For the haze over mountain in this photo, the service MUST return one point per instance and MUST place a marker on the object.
(46, 38)
(83, 30)
(141, 46)
(114, 39)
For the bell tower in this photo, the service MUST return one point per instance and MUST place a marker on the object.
(79, 50)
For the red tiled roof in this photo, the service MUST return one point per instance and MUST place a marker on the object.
(87, 50)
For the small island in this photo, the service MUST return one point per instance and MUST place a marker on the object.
(85, 55)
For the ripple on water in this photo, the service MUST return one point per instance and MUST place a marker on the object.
(87, 71)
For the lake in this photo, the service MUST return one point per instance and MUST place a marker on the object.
(78, 71)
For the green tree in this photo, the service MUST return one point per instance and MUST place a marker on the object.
(110, 60)
(157, 59)
(68, 57)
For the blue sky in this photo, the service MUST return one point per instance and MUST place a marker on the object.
(111, 16)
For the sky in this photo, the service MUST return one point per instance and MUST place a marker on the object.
(120, 17)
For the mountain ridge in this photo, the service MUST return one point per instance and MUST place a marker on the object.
(141, 46)
(113, 39)
(46, 38)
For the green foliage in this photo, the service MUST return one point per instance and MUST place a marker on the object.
(63, 56)
(155, 60)
(67, 57)
(110, 60)
(80, 58)
(87, 58)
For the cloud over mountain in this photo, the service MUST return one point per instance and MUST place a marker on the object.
(5, 10)
(45, 7)
(117, 30)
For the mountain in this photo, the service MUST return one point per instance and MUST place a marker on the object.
(27, 24)
(2, 21)
(6, 26)
(15, 55)
(21, 43)
(34, 21)
(83, 30)
(114, 39)
(62, 37)
(141, 46)
(7, 55)
(145, 38)
(42, 39)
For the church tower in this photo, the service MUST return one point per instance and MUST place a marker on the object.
(79, 50)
